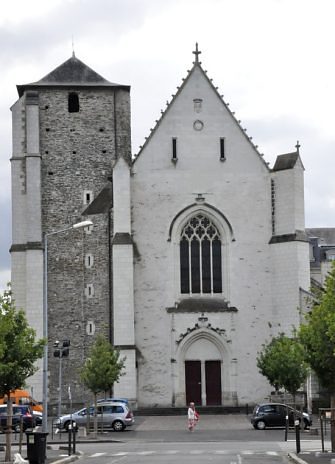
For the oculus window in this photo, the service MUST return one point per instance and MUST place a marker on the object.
(200, 257)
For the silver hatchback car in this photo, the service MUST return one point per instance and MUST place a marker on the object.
(116, 416)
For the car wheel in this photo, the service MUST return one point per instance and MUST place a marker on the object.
(260, 425)
(118, 426)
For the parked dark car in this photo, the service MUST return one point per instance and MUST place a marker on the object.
(29, 420)
(274, 415)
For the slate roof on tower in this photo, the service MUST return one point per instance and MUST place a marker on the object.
(71, 73)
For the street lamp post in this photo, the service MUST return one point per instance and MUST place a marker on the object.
(45, 317)
(61, 352)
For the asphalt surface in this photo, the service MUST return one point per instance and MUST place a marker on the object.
(173, 429)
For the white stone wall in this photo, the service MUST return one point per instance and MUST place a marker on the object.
(123, 301)
(18, 278)
(289, 200)
(126, 386)
(123, 281)
(236, 190)
(121, 197)
(27, 260)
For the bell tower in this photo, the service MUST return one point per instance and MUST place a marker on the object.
(68, 131)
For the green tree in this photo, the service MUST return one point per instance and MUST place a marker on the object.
(283, 363)
(317, 334)
(101, 370)
(19, 350)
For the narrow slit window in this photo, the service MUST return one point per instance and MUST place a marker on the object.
(89, 290)
(174, 149)
(89, 261)
(73, 102)
(222, 149)
(90, 328)
(88, 197)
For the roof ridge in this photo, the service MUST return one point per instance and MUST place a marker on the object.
(73, 72)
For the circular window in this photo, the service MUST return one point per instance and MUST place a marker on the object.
(198, 125)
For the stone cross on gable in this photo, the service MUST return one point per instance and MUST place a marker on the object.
(196, 53)
(298, 146)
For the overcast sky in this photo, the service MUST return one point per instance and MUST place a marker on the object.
(272, 59)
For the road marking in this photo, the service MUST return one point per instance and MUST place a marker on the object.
(190, 452)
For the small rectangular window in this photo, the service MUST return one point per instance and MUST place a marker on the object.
(87, 197)
(88, 261)
(174, 149)
(89, 290)
(73, 103)
(222, 149)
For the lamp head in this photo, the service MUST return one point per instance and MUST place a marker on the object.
(81, 224)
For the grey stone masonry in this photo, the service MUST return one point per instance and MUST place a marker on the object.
(78, 150)
(79, 126)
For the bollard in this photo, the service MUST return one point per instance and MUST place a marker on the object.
(70, 440)
(297, 435)
(286, 426)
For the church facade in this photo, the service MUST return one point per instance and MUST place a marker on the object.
(197, 254)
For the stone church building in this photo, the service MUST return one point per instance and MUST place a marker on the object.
(197, 254)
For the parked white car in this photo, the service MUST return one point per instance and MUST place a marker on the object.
(114, 415)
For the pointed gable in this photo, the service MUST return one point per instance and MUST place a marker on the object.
(71, 73)
(197, 67)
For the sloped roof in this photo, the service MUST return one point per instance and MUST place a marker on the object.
(101, 203)
(325, 233)
(197, 64)
(72, 72)
(286, 161)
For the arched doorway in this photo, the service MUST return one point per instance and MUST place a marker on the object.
(203, 372)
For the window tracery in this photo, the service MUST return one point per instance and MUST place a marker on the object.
(200, 257)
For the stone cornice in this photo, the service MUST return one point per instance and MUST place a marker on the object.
(297, 236)
(200, 305)
(19, 247)
(125, 347)
(122, 238)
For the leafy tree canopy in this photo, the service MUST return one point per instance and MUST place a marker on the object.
(103, 367)
(282, 362)
(18, 348)
(317, 334)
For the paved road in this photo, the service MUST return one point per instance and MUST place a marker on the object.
(225, 439)
(183, 453)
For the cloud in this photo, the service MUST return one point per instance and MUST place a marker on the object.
(270, 58)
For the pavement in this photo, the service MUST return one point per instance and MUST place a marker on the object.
(145, 427)
(315, 457)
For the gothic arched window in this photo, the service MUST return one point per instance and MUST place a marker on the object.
(200, 257)
(73, 102)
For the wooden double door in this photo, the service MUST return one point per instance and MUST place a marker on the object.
(199, 372)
